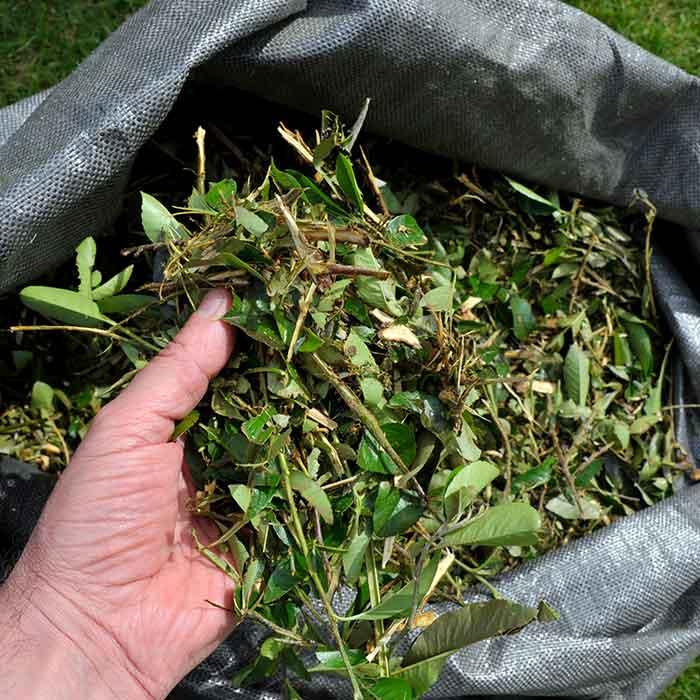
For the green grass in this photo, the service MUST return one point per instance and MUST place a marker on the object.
(41, 41)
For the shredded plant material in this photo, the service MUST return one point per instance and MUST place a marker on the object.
(434, 378)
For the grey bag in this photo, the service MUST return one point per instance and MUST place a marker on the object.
(529, 87)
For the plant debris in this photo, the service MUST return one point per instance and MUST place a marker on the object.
(434, 379)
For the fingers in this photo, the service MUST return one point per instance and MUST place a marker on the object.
(173, 383)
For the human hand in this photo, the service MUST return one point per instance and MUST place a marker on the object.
(109, 597)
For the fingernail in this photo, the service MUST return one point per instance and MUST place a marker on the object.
(215, 304)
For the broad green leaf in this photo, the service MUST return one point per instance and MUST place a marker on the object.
(397, 604)
(354, 556)
(506, 525)
(347, 182)
(357, 352)
(221, 194)
(379, 294)
(439, 299)
(42, 396)
(640, 342)
(125, 303)
(253, 575)
(113, 285)
(280, 582)
(404, 231)
(63, 305)
(158, 222)
(251, 222)
(537, 476)
(455, 630)
(577, 376)
(394, 511)
(313, 494)
(372, 390)
(371, 456)
(333, 660)
(523, 320)
(392, 689)
(465, 483)
(284, 180)
(561, 506)
(622, 354)
(584, 477)
(530, 194)
(256, 428)
(85, 261)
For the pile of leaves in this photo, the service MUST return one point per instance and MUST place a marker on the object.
(433, 380)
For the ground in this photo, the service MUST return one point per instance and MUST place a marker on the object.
(41, 41)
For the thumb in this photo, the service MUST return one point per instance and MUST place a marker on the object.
(173, 382)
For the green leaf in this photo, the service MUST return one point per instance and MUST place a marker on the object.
(379, 294)
(347, 182)
(455, 630)
(465, 482)
(439, 299)
(530, 194)
(523, 320)
(394, 511)
(584, 477)
(372, 390)
(253, 575)
(622, 354)
(577, 375)
(255, 428)
(42, 396)
(333, 660)
(403, 231)
(113, 285)
(251, 222)
(125, 303)
(85, 261)
(640, 343)
(313, 494)
(354, 556)
(281, 581)
(392, 689)
(372, 458)
(185, 424)
(158, 222)
(221, 194)
(399, 603)
(357, 352)
(537, 476)
(63, 305)
(590, 508)
(506, 525)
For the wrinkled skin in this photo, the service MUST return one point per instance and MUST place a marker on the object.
(111, 592)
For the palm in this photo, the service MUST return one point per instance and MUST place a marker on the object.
(116, 534)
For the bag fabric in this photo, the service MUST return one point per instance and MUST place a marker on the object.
(532, 88)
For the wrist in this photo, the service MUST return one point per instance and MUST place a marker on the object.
(50, 650)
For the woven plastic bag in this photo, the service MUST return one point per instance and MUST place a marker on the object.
(532, 88)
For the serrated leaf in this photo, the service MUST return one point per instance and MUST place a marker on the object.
(455, 630)
(113, 285)
(347, 181)
(63, 305)
(523, 319)
(537, 476)
(394, 511)
(357, 352)
(158, 222)
(353, 558)
(577, 376)
(250, 221)
(504, 525)
(403, 231)
(313, 494)
(85, 261)
(281, 581)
